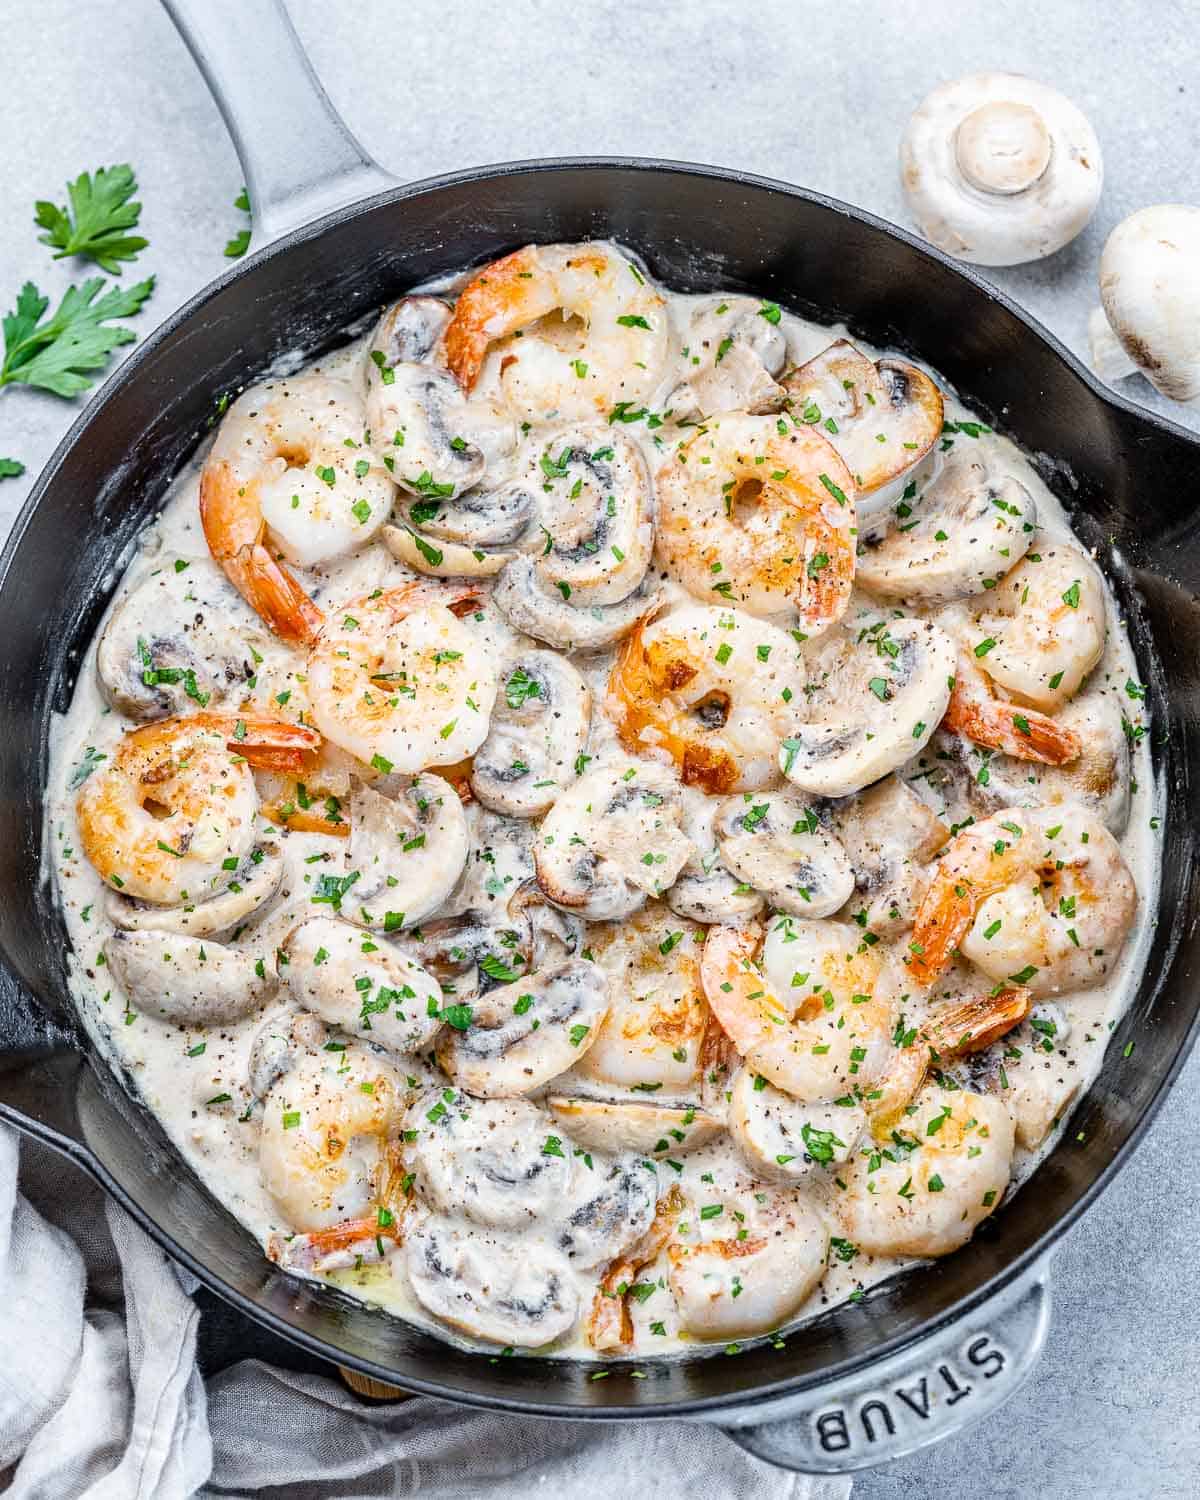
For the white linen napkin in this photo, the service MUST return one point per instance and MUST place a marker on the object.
(100, 1396)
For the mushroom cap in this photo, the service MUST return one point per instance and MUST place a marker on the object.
(1150, 288)
(1000, 169)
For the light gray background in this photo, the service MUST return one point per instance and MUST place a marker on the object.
(815, 94)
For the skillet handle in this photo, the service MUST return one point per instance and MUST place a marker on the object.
(299, 158)
(40, 1067)
(947, 1382)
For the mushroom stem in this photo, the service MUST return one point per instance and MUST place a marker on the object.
(1109, 359)
(1003, 147)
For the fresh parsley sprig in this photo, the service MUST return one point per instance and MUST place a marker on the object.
(95, 222)
(56, 353)
(11, 468)
(240, 243)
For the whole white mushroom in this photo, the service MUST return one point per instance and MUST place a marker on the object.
(1150, 291)
(999, 169)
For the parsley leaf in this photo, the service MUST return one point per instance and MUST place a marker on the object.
(93, 224)
(240, 243)
(11, 468)
(53, 353)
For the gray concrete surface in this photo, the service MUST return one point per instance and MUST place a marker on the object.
(817, 95)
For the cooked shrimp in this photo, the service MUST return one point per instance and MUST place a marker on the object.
(714, 689)
(173, 812)
(941, 1173)
(949, 1031)
(761, 512)
(329, 1146)
(398, 680)
(1041, 630)
(607, 348)
(1098, 778)
(1040, 897)
(610, 1325)
(748, 1266)
(594, 509)
(884, 416)
(813, 1015)
(652, 1036)
(290, 466)
(1014, 728)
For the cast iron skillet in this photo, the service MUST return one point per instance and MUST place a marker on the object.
(917, 1358)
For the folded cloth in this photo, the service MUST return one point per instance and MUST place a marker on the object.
(100, 1395)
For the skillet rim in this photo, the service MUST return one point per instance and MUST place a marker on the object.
(1025, 1263)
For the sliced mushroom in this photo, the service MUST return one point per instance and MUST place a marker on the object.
(504, 1289)
(733, 348)
(784, 1140)
(535, 607)
(654, 1033)
(889, 836)
(481, 518)
(612, 840)
(775, 842)
(406, 852)
(539, 727)
(438, 441)
(184, 636)
(186, 981)
(880, 699)
(617, 1125)
(705, 890)
(487, 1159)
(1000, 169)
(594, 535)
(442, 559)
(368, 988)
(952, 538)
(882, 417)
(523, 1034)
(1030, 1070)
(1150, 291)
(282, 1038)
(255, 883)
(611, 1209)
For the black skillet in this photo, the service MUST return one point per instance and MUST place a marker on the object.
(918, 1358)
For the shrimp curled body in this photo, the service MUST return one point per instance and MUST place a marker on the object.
(608, 346)
(174, 810)
(1039, 897)
(764, 516)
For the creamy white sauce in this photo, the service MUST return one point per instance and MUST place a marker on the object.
(195, 1080)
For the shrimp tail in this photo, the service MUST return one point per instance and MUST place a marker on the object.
(265, 744)
(610, 1325)
(942, 922)
(969, 1026)
(1020, 732)
(468, 333)
(234, 530)
(310, 1252)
